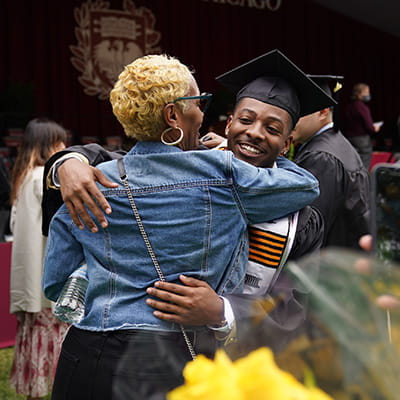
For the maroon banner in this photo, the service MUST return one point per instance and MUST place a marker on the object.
(49, 68)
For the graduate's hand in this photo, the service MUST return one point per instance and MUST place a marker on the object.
(79, 190)
(211, 140)
(194, 303)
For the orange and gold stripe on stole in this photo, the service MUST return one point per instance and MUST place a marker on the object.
(265, 247)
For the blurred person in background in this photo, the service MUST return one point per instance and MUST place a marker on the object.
(358, 123)
(39, 332)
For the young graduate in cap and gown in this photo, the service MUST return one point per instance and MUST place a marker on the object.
(344, 182)
(272, 93)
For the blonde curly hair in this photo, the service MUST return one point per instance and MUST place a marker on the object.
(143, 88)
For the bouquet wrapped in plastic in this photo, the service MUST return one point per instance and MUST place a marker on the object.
(347, 344)
(352, 336)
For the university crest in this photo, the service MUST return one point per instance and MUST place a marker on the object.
(108, 40)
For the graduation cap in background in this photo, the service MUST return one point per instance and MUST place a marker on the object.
(273, 79)
(331, 84)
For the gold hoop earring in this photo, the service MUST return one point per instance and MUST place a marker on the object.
(176, 141)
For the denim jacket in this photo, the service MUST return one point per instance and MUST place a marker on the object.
(195, 207)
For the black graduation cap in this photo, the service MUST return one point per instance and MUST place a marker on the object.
(331, 84)
(273, 79)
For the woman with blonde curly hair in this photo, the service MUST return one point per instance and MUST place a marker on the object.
(174, 211)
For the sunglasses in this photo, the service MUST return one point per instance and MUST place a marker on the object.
(204, 100)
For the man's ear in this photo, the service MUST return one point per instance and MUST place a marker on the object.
(324, 112)
(228, 124)
(170, 116)
(286, 146)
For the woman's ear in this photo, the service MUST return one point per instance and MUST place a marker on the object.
(170, 116)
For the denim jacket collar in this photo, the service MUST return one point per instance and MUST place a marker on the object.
(152, 148)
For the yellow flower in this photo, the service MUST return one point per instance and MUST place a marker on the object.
(318, 394)
(260, 378)
(255, 377)
(208, 379)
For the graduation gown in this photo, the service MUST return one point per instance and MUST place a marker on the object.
(344, 187)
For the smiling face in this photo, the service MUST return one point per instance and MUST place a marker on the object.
(258, 132)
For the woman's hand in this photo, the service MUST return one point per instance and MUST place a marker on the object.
(194, 303)
(79, 190)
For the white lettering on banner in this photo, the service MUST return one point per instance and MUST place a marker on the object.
(108, 40)
(271, 5)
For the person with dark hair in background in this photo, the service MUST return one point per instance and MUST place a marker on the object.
(39, 332)
(358, 124)
(344, 182)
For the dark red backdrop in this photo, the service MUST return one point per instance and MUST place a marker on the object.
(36, 34)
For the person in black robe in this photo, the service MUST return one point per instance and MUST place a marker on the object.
(344, 200)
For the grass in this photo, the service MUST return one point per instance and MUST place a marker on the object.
(6, 392)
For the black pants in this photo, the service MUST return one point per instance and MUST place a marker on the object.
(124, 364)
